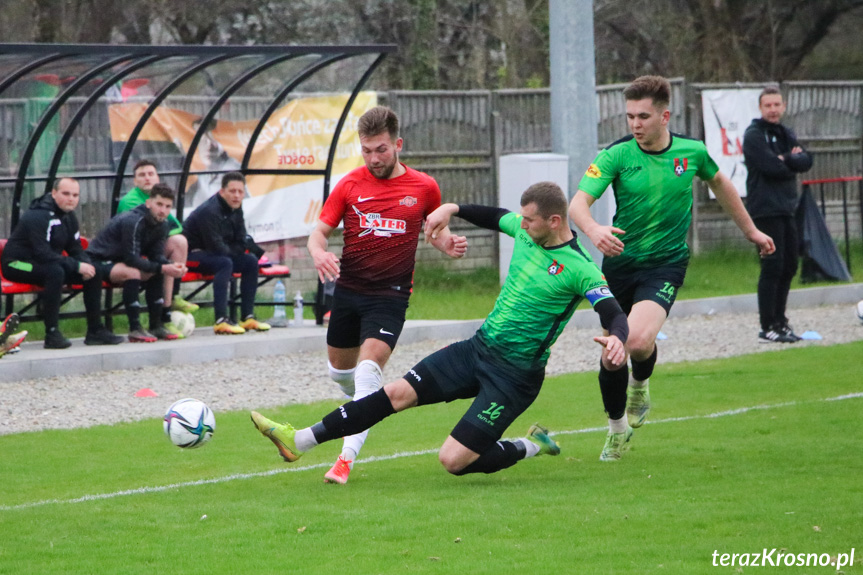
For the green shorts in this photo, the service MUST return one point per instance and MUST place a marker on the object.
(468, 369)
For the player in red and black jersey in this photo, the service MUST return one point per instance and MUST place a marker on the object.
(383, 205)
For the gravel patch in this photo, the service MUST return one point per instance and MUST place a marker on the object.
(108, 397)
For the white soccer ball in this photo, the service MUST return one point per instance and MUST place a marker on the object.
(860, 310)
(189, 423)
(185, 322)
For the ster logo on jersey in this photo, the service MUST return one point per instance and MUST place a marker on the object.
(408, 201)
(593, 171)
(381, 227)
(680, 166)
(555, 268)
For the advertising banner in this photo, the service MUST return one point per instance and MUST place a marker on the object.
(296, 136)
(727, 114)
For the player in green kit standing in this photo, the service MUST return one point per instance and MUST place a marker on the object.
(503, 365)
(646, 254)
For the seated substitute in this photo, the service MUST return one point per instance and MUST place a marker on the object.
(45, 250)
(176, 246)
(218, 242)
(130, 251)
(503, 365)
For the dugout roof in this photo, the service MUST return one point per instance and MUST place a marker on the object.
(54, 100)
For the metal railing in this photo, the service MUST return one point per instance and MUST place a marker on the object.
(839, 189)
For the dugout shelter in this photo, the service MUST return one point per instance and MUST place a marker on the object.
(56, 102)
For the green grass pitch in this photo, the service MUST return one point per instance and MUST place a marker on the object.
(740, 454)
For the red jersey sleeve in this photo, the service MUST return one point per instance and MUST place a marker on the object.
(433, 198)
(334, 207)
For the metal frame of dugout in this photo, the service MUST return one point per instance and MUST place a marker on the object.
(99, 67)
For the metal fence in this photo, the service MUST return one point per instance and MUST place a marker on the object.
(458, 137)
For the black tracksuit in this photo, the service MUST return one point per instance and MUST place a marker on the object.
(136, 239)
(771, 188)
(34, 255)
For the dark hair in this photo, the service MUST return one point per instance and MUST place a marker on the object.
(163, 191)
(548, 197)
(232, 177)
(656, 88)
(769, 90)
(378, 120)
(144, 163)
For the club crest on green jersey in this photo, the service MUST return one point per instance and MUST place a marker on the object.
(555, 268)
(680, 166)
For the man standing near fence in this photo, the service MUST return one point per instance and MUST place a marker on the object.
(773, 160)
(382, 204)
(651, 173)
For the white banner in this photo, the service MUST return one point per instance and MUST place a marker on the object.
(727, 114)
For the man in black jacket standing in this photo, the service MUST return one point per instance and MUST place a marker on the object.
(773, 160)
(45, 250)
(130, 251)
(217, 246)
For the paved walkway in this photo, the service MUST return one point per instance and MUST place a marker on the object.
(35, 362)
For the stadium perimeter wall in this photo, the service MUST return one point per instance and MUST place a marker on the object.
(457, 137)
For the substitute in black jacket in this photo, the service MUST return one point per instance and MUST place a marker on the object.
(35, 255)
(130, 251)
(217, 246)
(773, 160)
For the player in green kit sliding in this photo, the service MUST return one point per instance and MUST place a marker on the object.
(503, 365)
(646, 254)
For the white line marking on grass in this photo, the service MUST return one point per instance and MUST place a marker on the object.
(849, 396)
(215, 480)
(400, 455)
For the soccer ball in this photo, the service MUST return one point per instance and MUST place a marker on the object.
(189, 423)
(860, 310)
(185, 322)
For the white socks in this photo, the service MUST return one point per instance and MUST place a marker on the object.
(635, 384)
(530, 448)
(367, 380)
(344, 377)
(615, 425)
(304, 439)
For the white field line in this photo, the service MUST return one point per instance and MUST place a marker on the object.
(400, 455)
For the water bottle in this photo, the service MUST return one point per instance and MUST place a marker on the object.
(279, 298)
(298, 309)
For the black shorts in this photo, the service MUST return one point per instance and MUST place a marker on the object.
(469, 369)
(659, 285)
(356, 317)
(104, 268)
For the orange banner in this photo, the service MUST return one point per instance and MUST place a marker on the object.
(296, 136)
